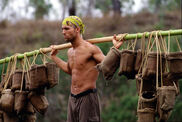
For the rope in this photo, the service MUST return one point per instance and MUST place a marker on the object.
(178, 44)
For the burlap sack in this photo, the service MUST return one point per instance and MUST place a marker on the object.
(7, 100)
(53, 74)
(146, 115)
(20, 101)
(110, 63)
(1, 116)
(148, 84)
(174, 60)
(10, 117)
(138, 60)
(16, 80)
(166, 101)
(38, 77)
(28, 118)
(138, 85)
(3, 80)
(167, 96)
(27, 81)
(127, 64)
(39, 102)
(148, 99)
(29, 109)
(151, 66)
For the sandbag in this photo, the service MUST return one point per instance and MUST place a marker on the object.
(20, 101)
(29, 109)
(127, 63)
(7, 100)
(167, 96)
(39, 102)
(1, 116)
(148, 99)
(38, 77)
(169, 81)
(10, 117)
(52, 74)
(3, 80)
(138, 85)
(148, 84)
(27, 81)
(110, 63)
(166, 101)
(28, 118)
(16, 80)
(138, 60)
(146, 115)
(174, 60)
(150, 69)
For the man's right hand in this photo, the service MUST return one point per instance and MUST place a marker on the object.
(54, 51)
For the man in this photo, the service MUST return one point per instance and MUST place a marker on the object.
(83, 103)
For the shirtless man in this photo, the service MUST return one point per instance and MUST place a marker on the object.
(83, 105)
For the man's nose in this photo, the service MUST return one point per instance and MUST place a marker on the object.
(63, 32)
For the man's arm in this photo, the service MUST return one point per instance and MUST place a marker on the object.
(61, 64)
(97, 53)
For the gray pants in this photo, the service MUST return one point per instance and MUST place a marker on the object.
(84, 108)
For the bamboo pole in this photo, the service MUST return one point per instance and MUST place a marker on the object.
(94, 41)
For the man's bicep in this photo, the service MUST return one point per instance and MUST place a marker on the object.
(98, 55)
(68, 67)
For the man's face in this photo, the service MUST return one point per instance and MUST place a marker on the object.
(69, 33)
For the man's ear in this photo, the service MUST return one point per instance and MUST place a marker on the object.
(77, 29)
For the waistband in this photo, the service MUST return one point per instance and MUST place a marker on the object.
(84, 93)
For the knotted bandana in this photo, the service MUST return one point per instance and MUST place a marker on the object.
(74, 20)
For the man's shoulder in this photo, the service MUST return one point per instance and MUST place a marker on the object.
(90, 45)
(69, 50)
(93, 48)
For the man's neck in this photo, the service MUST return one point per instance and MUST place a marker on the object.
(77, 42)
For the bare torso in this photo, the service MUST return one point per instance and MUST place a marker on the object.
(82, 66)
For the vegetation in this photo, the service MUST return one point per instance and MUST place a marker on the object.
(118, 97)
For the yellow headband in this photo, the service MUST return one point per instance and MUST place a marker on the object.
(75, 21)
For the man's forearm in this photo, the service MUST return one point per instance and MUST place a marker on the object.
(61, 64)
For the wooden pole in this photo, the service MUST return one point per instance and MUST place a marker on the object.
(94, 41)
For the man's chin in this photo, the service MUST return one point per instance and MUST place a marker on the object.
(66, 40)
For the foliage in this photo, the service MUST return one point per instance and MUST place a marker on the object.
(164, 4)
(41, 8)
(3, 4)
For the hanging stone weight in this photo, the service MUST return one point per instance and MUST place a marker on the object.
(16, 80)
(38, 77)
(52, 74)
(127, 64)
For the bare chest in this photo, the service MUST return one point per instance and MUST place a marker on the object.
(79, 59)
